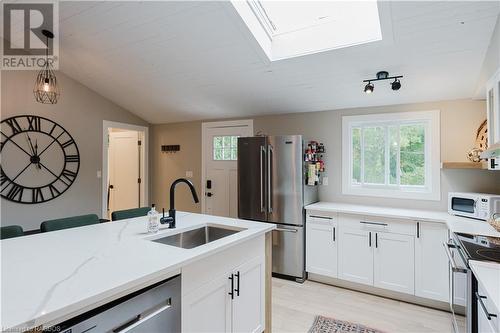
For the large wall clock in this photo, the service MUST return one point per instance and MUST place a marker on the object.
(40, 159)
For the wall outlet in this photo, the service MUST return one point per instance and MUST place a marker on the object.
(189, 174)
(325, 181)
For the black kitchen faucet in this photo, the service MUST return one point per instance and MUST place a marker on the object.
(170, 219)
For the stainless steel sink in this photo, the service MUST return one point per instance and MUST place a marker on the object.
(196, 237)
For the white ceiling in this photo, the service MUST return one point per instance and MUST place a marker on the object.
(178, 61)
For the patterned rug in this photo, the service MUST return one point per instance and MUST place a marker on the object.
(329, 325)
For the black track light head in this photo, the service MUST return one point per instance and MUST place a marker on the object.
(396, 85)
(369, 88)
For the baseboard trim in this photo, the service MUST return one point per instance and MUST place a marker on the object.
(444, 306)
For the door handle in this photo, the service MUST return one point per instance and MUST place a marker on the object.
(321, 217)
(453, 265)
(209, 194)
(232, 286)
(262, 185)
(376, 240)
(370, 239)
(286, 230)
(334, 234)
(483, 306)
(418, 229)
(270, 153)
(237, 289)
(374, 223)
(143, 317)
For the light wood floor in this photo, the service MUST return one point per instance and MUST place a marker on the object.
(295, 306)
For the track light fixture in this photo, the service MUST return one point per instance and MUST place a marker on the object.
(383, 75)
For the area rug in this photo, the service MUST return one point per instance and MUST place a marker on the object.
(329, 325)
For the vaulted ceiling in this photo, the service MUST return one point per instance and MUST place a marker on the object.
(179, 61)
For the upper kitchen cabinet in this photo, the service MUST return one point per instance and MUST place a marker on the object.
(493, 115)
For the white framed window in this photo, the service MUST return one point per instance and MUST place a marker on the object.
(225, 148)
(394, 155)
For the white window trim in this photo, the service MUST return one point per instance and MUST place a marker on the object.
(432, 156)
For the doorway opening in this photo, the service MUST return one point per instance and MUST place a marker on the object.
(125, 169)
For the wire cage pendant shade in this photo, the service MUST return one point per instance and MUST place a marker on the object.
(46, 90)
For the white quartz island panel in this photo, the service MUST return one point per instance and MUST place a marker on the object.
(51, 277)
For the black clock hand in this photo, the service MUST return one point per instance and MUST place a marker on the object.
(50, 144)
(36, 152)
(31, 144)
(18, 146)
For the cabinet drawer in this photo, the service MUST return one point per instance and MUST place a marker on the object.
(321, 217)
(378, 224)
(493, 323)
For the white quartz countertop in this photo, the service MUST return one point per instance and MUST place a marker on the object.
(454, 223)
(51, 277)
(488, 275)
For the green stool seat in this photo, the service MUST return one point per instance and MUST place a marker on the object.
(129, 213)
(69, 222)
(11, 231)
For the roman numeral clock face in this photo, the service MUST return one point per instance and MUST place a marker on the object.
(40, 160)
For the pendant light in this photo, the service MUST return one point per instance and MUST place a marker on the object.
(46, 90)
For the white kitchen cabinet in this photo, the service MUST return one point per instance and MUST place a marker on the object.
(488, 316)
(321, 245)
(248, 302)
(394, 262)
(493, 108)
(208, 309)
(355, 255)
(431, 262)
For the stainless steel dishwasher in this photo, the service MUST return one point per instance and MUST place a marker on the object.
(155, 309)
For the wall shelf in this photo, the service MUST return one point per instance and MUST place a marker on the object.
(464, 165)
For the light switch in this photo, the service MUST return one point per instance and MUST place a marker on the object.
(325, 181)
(189, 174)
(99, 174)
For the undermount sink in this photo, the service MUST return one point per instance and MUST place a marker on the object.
(196, 237)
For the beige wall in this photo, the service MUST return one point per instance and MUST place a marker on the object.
(459, 121)
(81, 112)
(167, 167)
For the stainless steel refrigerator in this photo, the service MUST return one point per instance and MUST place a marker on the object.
(271, 188)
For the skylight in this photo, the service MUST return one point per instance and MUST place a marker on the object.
(286, 29)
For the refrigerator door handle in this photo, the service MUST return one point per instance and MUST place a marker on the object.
(262, 158)
(270, 153)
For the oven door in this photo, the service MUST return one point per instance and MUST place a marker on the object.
(460, 276)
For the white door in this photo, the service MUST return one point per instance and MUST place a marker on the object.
(220, 185)
(208, 308)
(124, 170)
(321, 247)
(394, 266)
(248, 302)
(356, 255)
(431, 262)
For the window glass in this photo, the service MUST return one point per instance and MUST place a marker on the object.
(225, 148)
(412, 155)
(356, 155)
(374, 155)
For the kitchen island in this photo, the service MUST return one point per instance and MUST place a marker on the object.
(52, 277)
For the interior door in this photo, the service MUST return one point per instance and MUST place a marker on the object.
(285, 195)
(252, 197)
(124, 170)
(394, 265)
(221, 169)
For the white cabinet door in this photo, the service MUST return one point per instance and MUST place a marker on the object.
(394, 262)
(493, 108)
(208, 309)
(321, 248)
(356, 255)
(431, 262)
(458, 281)
(248, 303)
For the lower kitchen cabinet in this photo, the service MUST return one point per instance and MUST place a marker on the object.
(394, 264)
(431, 262)
(321, 246)
(488, 317)
(355, 255)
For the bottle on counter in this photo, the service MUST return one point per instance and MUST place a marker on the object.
(153, 220)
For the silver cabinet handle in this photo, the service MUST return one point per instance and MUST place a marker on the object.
(453, 265)
(333, 231)
(321, 217)
(286, 230)
(480, 299)
(374, 223)
(270, 153)
(145, 316)
(262, 156)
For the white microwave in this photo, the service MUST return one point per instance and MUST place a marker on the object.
(479, 206)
